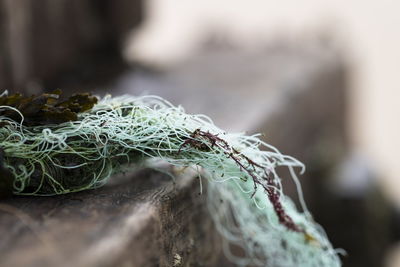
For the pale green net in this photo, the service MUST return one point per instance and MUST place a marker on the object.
(245, 196)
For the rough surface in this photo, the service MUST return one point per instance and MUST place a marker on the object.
(144, 220)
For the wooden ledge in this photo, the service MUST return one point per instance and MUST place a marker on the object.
(146, 220)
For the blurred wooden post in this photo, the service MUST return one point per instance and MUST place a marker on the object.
(40, 39)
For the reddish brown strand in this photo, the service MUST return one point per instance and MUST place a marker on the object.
(202, 140)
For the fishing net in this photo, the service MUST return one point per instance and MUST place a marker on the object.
(245, 195)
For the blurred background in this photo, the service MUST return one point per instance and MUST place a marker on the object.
(318, 78)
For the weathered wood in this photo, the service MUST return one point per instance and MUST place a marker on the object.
(145, 220)
(49, 43)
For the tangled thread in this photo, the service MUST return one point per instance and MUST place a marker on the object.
(245, 196)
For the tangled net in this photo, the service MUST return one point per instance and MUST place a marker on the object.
(245, 196)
